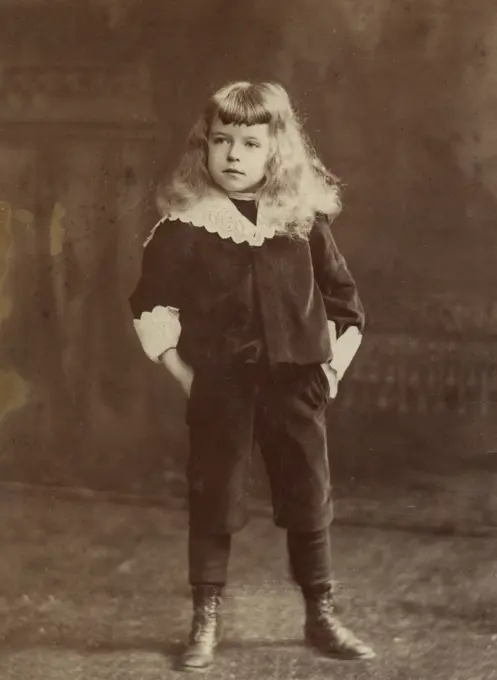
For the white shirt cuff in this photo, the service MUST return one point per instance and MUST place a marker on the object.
(158, 331)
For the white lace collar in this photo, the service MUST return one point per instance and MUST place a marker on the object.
(217, 214)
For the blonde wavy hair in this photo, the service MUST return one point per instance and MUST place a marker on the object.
(297, 185)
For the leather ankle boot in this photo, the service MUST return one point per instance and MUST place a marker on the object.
(206, 628)
(326, 633)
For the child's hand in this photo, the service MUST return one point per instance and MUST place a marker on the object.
(178, 369)
(332, 378)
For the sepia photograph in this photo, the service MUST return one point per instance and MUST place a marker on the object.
(248, 339)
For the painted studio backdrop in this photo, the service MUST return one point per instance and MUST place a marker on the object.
(96, 100)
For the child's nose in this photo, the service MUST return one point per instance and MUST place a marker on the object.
(233, 153)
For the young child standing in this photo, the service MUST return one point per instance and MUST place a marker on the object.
(246, 300)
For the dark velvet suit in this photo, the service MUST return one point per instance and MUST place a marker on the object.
(254, 329)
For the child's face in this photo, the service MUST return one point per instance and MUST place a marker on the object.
(237, 155)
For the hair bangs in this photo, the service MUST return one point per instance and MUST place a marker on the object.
(243, 106)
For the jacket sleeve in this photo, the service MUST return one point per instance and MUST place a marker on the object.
(162, 280)
(161, 288)
(341, 299)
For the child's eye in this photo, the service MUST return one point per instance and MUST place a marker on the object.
(218, 140)
(252, 145)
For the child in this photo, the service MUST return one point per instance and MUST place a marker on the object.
(246, 299)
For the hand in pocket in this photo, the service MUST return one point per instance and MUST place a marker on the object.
(332, 378)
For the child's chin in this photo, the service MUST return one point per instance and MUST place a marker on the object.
(234, 185)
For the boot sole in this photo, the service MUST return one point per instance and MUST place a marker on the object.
(193, 669)
(181, 666)
(324, 650)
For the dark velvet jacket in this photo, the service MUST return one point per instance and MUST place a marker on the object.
(244, 303)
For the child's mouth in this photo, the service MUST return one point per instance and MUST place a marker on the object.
(233, 172)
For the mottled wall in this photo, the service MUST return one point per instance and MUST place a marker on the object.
(96, 101)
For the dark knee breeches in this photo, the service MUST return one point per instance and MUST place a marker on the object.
(283, 409)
